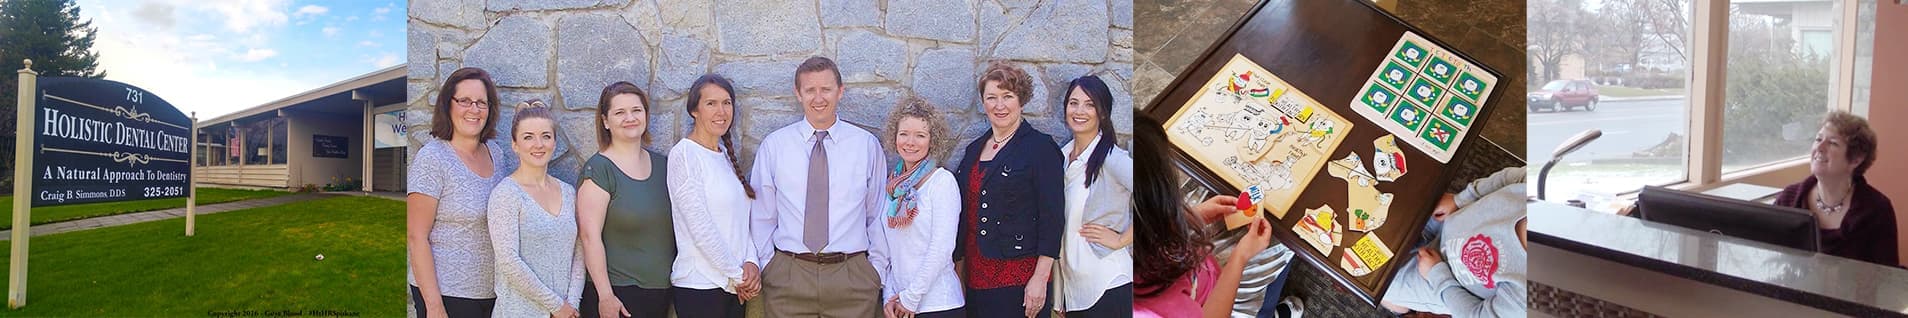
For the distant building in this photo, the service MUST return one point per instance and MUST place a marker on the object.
(337, 134)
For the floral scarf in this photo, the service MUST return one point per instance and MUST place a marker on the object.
(902, 186)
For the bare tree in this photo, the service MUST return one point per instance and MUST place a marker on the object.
(1669, 24)
(1554, 34)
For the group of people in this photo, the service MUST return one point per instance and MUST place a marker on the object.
(822, 223)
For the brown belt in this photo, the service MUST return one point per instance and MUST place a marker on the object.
(823, 258)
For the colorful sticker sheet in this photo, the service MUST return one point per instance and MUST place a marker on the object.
(1253, 129)
(1425, 94)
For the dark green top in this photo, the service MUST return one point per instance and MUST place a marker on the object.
(638, 239)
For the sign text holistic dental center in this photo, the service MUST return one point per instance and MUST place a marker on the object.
(58, 124)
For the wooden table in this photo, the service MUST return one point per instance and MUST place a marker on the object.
(1327, 49)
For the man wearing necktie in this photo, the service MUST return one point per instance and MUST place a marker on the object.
(815, 217)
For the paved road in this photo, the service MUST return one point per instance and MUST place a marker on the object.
(1628, 126)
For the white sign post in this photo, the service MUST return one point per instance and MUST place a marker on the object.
(22, 185)
(192, 181)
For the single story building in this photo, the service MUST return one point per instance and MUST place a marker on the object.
(317, 138)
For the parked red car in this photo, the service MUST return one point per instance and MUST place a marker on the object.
(1564, 94)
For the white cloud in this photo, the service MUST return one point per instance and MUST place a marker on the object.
(185, 71)
(257, 54)
(387, 60)
(226, 58)
(367, 44)
(243, 15)
(310, 10)
(382, 10)
(156, 13)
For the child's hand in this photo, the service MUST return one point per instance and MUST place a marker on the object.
(1428, 259)
(1258, 236)
(1215, 208)
(1446, 205)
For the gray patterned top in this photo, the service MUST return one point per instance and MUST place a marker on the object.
(460, 235)
(539, 261)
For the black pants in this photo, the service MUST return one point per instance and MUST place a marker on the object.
(640, 302)
(959, 312)
(700, 303)
(455, 307)
(1004, 302)
(1116, 302)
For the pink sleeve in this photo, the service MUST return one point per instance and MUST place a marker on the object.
(1208, 275)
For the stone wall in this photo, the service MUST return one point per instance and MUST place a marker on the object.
(565, 52)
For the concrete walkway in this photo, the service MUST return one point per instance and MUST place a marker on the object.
(155, 215)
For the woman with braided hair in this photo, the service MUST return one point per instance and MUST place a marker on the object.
(715, 269)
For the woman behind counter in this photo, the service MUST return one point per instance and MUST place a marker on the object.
(1856, 221)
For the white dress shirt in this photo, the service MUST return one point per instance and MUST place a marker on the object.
(924, 250)
(856, 178)
(1087, 275)
(711, 218)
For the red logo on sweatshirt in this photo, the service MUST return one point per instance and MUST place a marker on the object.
(1480, 255)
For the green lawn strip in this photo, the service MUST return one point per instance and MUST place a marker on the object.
(59, 213)
(1619, 91)
(259, 260)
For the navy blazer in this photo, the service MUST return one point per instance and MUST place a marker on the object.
(1022, 202)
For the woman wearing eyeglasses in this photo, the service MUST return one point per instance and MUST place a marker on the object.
(448, 237)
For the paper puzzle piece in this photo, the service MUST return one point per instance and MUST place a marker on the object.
(1396, 75)
(1439, 134)
(1424, 92)
(1379, 98)
(1318, 229)
(1247, 140)
(1409, 115)
(1387, 160)
(1320, 133)
(1247, 212)
(1256, 147)
(1412, 54)
(1367, 208)
(1365, 256)
(1470, 86)
(1440, 70)
(1458, 111)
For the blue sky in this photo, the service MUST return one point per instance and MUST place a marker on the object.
(221, 56)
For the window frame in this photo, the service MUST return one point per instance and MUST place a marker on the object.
(1709, 44)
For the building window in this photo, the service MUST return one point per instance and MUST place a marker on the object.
(1778, 83)
(1634, 75)
(278, 141)
(234, 145)
(264, 142)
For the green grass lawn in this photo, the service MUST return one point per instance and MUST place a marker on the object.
(1619, 91)
(52, 214)
(260, 260)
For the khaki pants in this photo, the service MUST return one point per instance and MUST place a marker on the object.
(796, 288)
